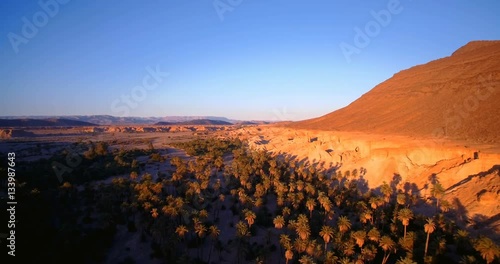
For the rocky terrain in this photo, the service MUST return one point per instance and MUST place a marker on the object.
(92, 130)
(437, 121)
(197, 122)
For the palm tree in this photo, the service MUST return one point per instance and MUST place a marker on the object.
(344, 224)
(325, 203)
(386, 191)
(286, 243)
(462, 240)
(348, 248)
(288, 254)
(387, 244)
(154, 213)
(250, 217)
(326, 233)
(310, 204)
(487, 248)
(374, 234)
(330, 258)
(214, 233)
(429, 228)
(359, 237)
(445, 206)
(401, 198)
(286, 211)
(408, 242)
(241, 233)
(373, 202)
(181, 230)
(279, 222)
(219, 163)
(300, 245)
(258, 202)
(368, 253)
(313, 249)
(306, 260)
(468, 260)
(303, 230)
(310, 189)
(200, 230)
(366, 216)
(345, 260)
(203, 214)
(406, 260)
(437, 192)
(405, 215)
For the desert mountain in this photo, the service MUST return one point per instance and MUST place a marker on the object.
(51, 122)
(453, 97)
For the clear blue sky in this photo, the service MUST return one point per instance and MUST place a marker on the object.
(265, 59)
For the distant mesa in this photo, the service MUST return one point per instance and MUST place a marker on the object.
(51, 122)
(196, 122)
(453, 97)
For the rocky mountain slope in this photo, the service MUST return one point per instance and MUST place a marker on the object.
(453, 97)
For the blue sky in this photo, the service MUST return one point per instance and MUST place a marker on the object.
(247, 59)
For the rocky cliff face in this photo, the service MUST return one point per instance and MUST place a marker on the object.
(469, 173)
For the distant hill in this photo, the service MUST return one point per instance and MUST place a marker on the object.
(114, 120)
(177, 119)
(52, 122)
(454, 97)
(254, 122)
(165, 123)
(197, 122)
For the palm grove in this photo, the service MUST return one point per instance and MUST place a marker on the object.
(231, 204)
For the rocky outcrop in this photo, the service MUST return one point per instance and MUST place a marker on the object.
(13, 133)
(151, 129)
